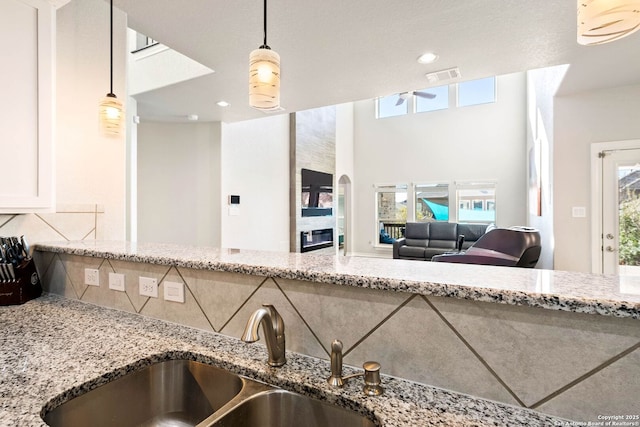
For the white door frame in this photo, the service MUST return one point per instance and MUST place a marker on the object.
(596, 195)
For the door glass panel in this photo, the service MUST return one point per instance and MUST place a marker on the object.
(629, 219)
(620, 231)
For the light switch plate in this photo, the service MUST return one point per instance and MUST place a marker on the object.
(116, 282)
(148, 287)
(91, 277)
(174, 291)
(579, 212)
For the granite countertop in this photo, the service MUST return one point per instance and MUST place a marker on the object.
(555, 290)
(54, 348)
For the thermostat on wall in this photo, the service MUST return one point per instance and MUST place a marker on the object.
(234, 200)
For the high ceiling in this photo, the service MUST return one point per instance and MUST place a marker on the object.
(335, 51)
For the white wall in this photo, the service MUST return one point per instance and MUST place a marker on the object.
(542, 85)
(255, 166)
(580, 120)
(179, 183)
(90, 168)
(483, 142)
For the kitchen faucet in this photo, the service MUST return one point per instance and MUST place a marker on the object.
(273, 328)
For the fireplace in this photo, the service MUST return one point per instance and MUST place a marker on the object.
(316, 239)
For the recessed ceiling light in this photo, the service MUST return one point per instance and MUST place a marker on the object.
(428, 58)
(192, 117)
(222, 104)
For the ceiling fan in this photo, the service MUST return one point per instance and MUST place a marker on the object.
(404, 95)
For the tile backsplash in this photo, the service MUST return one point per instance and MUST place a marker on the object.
(68, 222)
(552, 361)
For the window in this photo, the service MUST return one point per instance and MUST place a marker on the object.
(476, 202)
(432, 202)
(472, 202)
(475, 92)
(391, 212)
(440, 102)
(390, 106)
(143, 42)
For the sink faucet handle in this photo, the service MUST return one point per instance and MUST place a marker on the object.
(276, 320)
(372, 379)
(336, 379)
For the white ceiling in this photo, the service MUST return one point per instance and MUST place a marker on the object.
(335, 51)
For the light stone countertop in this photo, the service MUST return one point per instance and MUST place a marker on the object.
(555, 290)
(55, 348)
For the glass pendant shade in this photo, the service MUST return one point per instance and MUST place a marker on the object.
(111, 115)
(603, 21)
(264, 79)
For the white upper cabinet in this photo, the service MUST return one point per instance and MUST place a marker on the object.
(27, 78)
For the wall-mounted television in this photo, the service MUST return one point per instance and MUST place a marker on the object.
(317, 193)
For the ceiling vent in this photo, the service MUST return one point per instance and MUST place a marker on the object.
(443, 75)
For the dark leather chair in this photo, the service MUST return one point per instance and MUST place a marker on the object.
(512, 247)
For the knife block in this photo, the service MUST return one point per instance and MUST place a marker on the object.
(26, 286)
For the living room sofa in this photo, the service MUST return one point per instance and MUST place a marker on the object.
(423, 240)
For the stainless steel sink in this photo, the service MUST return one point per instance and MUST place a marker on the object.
(172, 393)
(281, 408)
(179, 393)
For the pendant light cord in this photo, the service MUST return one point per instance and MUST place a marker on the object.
(111, 48)
(264, 45)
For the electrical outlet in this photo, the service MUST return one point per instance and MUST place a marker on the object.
(148, 287)
(174, 291)
(116, 282)
(91, 277)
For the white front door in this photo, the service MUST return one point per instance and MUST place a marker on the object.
(620, 244)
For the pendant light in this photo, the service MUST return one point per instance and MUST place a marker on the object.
(603, 21)
(264, 75)
(111, 111)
